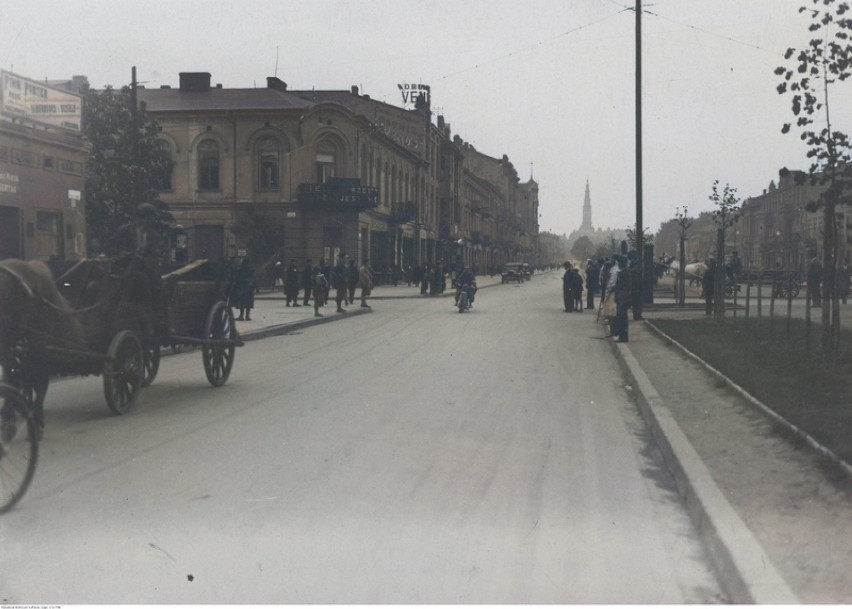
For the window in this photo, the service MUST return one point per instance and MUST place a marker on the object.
(163, 174)
(208, 165)
(268, 164)
(325, 161)
(47, 163)
(72, 167)
(24, 157)
(48, 222)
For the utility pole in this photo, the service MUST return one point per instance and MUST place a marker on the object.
(640, 245)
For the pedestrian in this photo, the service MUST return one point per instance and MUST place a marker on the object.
(424, 280)
(708, 281)
(395, 273)
(592, 283)
(338, 282)
(606, 267)
(242, 291)
(291, 284)
(320, 287)
(325, 269)
(307, 281)
(567, 292)
(577, 289)
(622, 300)
(351, 281)
(365, 280)
(843, 281)
(814, 281)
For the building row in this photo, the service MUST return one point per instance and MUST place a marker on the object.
(324, 172)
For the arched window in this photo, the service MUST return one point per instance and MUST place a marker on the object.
(326, 161)
(269, 164)
(163, 172)
(208, 165)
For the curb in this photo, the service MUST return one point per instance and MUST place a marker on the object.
(292, 326)
(745, 571)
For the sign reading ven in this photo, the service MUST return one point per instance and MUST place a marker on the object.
(415, 96)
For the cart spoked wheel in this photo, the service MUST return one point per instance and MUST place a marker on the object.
(219, 359)
(18, 446)
(151, 356)
(123, 372)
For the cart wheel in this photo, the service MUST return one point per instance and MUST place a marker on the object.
(152, 364)
(123, 372)
(18, 446)
(219, 359)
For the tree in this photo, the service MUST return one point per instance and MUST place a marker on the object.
(809, 78)
(683, 223)
(583, 248)
(126, 164)
(727, 212)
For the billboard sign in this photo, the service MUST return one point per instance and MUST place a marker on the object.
(36, 101)
(414, 96)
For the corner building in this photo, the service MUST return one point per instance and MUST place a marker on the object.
(333, 171)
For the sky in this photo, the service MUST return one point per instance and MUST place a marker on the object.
(550, 83)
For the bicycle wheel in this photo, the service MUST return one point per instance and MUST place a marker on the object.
(18, 447)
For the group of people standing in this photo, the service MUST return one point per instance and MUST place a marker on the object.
(616, 280)
(317, 281)
(310, 283)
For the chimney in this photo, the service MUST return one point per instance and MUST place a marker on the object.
(441, 122)
(195, 81)
(275, 83)
(354, 90)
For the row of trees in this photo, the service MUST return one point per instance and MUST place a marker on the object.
(809, 78)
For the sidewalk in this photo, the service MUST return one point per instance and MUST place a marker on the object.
(775, 518)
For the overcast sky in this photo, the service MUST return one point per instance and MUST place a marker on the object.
(550, 83)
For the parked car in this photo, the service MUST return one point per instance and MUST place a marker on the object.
(514, 271)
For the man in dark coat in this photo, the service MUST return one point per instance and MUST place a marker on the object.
(307, 281)
(622, 299)
(351, 281)
(243, 290)
(567, 292)
(338, 282)
(291, 284)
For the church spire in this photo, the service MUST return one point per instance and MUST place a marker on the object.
(587, 210)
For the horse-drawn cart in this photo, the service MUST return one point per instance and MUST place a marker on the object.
(107, 317)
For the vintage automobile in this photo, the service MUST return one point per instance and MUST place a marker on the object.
(515, 271)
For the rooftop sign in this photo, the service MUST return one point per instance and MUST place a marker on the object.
(36, 101)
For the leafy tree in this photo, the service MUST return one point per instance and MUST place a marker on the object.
(809, 78)
(583, 248)
(725, 215)
(125, 166)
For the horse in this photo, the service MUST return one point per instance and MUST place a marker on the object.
(693, 272)
(33, 314)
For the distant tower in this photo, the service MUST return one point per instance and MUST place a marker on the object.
(587, 211)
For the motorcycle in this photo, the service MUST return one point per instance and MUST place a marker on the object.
(465, 300)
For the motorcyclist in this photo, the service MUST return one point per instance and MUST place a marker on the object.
(466, 277)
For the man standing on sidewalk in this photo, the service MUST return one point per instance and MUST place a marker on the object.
(352, 275)
(307, 281)
(622, 299)
(365, 278)
(291, 284)
(338, 282)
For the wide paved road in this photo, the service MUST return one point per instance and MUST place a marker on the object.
(414, 455)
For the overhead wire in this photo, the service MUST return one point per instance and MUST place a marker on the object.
(532, 46)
